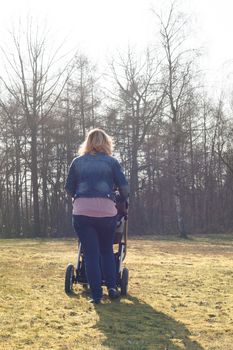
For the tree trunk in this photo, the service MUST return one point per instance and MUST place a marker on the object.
(34, 174)
(177, 181)
(17, 192)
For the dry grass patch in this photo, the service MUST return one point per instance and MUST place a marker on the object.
(180, 297)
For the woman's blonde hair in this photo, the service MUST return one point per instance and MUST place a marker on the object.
(96, 141)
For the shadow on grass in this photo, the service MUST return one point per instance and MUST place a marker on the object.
(133, 324)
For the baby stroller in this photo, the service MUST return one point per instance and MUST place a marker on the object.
(77, 274)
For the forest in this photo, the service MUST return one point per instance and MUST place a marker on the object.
(173, 139)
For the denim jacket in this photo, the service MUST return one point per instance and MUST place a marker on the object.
(96, 175)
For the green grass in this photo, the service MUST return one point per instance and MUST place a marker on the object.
(180, 297)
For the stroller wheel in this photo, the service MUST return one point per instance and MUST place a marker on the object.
(124, 281)
(69, 279)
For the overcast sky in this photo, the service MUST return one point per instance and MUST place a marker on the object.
(100, 27)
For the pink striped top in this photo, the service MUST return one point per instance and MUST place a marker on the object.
(94, 207)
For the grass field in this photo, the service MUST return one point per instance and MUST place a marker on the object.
(180, 297)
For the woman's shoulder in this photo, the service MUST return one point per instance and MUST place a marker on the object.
(80, 157)
(111, 159)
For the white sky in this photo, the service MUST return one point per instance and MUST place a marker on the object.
(100, 27)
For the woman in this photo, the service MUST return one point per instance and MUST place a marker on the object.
(91, 181)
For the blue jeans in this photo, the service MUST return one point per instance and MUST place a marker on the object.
(96, 236)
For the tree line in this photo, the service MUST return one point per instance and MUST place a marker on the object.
(174, 142)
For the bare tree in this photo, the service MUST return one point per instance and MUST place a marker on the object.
(34, 84)
(140, 98)
(178, 66)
